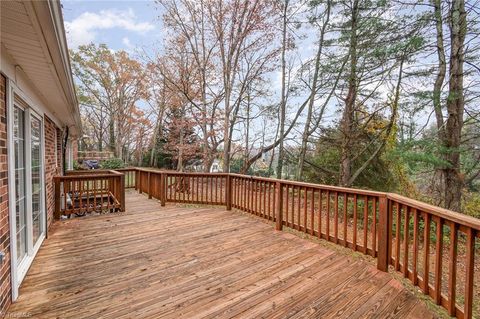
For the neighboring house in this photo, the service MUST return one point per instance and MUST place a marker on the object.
(39, 117)
(197, 166)
(217, 166)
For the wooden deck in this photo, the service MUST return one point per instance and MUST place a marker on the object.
(174, 262)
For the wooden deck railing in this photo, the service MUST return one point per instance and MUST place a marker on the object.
(80, 192)
(432, 247)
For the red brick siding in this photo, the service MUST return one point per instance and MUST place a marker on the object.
(59, 150)
(52, 165)
(5, 275)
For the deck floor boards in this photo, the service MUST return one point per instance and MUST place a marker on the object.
(177, 262)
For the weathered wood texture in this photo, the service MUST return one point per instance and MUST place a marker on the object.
(174, 262)
(89, 191)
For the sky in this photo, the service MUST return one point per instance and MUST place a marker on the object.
(127, 25)
(135, 26)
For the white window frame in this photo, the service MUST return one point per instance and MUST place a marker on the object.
(69, 154)
(18, 272)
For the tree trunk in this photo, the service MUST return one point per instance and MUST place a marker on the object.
(455, 107)
(313, 92)
(247, 131)
(181, 141)
(111, 140)
(349, 111)
(438, 185)
(283, 98)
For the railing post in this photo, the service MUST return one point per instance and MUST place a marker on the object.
(139, 182)
(163, 186)
(149, 185)
(135, 178)
(469, 276)
(228, 193)
(278, 206)
(57, 195)
(383, 234)
(121, 193)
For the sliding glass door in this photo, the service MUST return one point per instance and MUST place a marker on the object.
(29, 185)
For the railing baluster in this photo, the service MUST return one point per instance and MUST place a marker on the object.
(80, 196)
(345, 219)
(274, 201)
(305, 209)
(216, 190)
(374, 227)
(469, 279)
(297, 225)
(327, 221)
(426, 256)
(415, 247)
(312, 213)
(397, 236)
(355, 203)
(269, 199)
(452, 269)
(252, 196)
(438, 261)
(335, 219)
(95, 194)
(264, 190)
(320, 211)
(255, 196)
(406, 241)
(291, 207)
(365, 224)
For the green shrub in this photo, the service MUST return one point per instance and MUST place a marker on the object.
(472, 204)
(112, 163)
(77, 165)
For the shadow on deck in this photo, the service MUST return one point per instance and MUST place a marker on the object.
(174, 262)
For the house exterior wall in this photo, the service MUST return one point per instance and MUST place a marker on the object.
(5, 278)
(53, 164)
(59, 149)
(13, 81)
(40, 81)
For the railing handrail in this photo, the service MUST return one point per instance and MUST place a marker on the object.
(450, 215)
(357, 191)
(86, 176)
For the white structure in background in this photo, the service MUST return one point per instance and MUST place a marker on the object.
(216, 166)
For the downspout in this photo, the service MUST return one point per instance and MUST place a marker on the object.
(64, 150)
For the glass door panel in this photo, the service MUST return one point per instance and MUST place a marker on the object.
(20, 179)
(36, 169)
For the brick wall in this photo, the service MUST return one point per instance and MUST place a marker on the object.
(5, 278)
(52, 165)
(59, 150)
